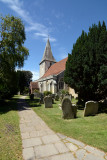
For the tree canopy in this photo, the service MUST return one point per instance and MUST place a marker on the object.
(12, 53)
(24, 78)
(86, 67)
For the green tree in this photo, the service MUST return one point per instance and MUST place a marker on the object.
(86, 67)
(12, 53)
(24, 78)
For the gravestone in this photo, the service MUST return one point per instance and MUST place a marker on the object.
(68, 96)
(48, 102)
(37, 95)
(41, 99)
(91, 108)
(68, 109)
(74, 110)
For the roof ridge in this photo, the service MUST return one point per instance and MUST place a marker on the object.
(56, 68)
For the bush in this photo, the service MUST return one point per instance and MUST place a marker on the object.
(64, 92)
(36, 91)
(46, 93)
(32, 96)
(26, 90)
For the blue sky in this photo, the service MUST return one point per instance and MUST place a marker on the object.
(62, 20)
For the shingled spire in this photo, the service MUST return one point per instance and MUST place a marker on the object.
(48, 53)
(47, 59)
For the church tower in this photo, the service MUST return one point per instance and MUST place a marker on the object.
(47, 59)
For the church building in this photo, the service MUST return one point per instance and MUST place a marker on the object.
(51, 74)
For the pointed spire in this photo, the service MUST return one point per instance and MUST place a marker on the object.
(48, 53)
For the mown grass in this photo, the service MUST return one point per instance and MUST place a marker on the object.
(91, 130)
(10, 139)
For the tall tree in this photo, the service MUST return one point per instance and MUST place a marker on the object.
(24, 79)
(12, 52)
(86, 67)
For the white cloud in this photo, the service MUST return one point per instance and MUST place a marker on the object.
(51, 39)
(17, 6)
(41, 35)
(45, 37)
(35, 75)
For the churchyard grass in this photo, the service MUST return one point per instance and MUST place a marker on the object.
(91, 130)
(10, 139)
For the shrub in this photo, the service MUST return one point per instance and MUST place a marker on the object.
(36, 91)
(32, 96)
(26, 90)
(46, 93)
(64, 92)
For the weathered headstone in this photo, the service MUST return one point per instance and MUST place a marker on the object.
(68, 96)
(41, 99)
(74, 110)
(48, 102)
(91, 108)
(37, 95)
(68, 109)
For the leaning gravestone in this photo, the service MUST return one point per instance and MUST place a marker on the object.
(91, 108)
(68, 109)
(48, 102)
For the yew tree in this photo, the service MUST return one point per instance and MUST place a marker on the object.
(86, 67)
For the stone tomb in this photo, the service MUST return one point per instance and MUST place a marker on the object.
(91, 108)
(69, 111)
(48, 102)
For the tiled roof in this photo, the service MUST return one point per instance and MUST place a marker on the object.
(34, 85)
(56, 68)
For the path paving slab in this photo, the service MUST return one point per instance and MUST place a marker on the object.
(28, 154)
(50, 139)
(93, 157)
(31, 142)
(66, 156)
(80, 154)
(75, 142)
(41, 143)
(71, 146)
(61, 147)
(94, 151)
(45, 150)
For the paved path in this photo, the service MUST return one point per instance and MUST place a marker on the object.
(41, 143)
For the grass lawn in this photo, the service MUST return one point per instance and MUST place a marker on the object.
(10, 139)
(91, 130)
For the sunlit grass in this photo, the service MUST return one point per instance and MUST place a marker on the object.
(10, 139)
(91, 130)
